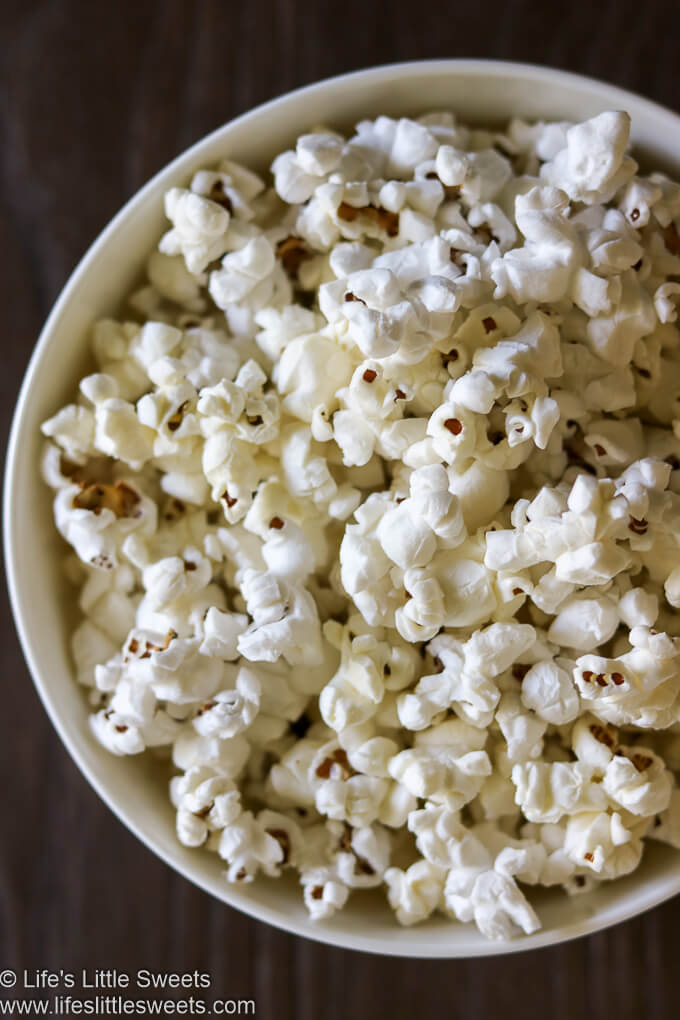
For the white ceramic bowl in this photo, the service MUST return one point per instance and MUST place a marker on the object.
(479, 91)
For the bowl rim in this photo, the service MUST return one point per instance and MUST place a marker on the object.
(619, 98)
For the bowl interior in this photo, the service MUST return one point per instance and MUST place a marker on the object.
(477, 91)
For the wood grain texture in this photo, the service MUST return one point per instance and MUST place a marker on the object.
(94, 98)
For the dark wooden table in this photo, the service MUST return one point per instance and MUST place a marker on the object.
(95, 98)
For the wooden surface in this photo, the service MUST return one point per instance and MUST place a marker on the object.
(95, 98)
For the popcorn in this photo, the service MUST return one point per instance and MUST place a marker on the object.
(522, 732)
(494, 902)
(594, 742)
(413, 894)
(548, 689)
(73, 429)
(230, 712)
(613, 336)
(584, 624)
(355, 800)
(115, 734)
(593, 165)
(364, 855)
(221, 632)
(199, 229)
(97, 518)
(169, 275)
(542, 269)
(296, 175)
(285, 622)
(90, 646)
(446, 765)
(603, 843)
(637, 781)
(248, 848)
(206, 802)
(228, 756)
(322, 895)
(373, 514)
(247, 280)
(441, 838)
(308, 373)
(547, 791)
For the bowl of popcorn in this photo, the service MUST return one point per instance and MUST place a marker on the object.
(343, 510)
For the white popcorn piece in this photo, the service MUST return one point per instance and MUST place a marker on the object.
(613, 335)
(227, 756)
(594, 164)
(523, 732)
(309, 372)
(206, 802)
(493, 901)
(230, 712)
(172, 280)
(221, 632)
(362, 864)
(297, 174)
(413, 894)
(73, 429)
(199, 229)
(547, 791)
(637, 781)
(323, 895)
(115, 734)
(90, 646)
(447, 764)
(442, 839)
(97, 518)
(594, 743)
(584, 624)
(542, 269)
(548, 690)
(245, 275)
(601, 842)
(285, 622)
(248, 848)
